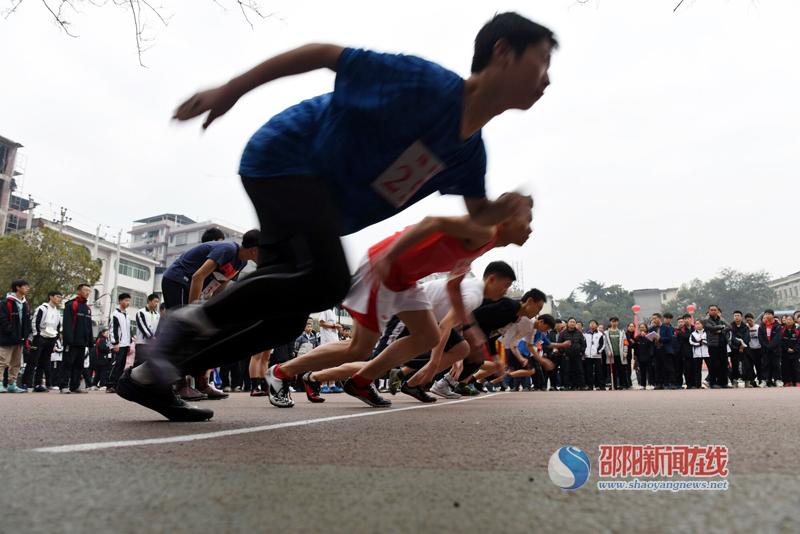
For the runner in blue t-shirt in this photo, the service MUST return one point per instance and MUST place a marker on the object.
(395, 130)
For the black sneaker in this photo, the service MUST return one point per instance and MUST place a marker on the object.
(368, 395)
(417, 392)
(312, 388)
(395, 380)
(465, 390)
(480, 387)
(161, 399)
(40, 389)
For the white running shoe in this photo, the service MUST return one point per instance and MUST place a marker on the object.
(279, 391)
(443, 389)
(762, 384)
(779, 383)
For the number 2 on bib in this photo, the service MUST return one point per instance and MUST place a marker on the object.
(407, 174)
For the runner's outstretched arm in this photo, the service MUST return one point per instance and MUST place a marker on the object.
(219, 100)
(487, 212)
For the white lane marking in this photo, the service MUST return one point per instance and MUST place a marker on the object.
(81, 447)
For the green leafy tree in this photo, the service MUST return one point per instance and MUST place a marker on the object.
(601, 303)
(593, 290)
(48, 261)
(730, 290)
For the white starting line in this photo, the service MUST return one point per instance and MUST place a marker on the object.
(82, 447)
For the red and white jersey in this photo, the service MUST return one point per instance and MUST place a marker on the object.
(438, 253)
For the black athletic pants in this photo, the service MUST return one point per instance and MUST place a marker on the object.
(694, 375)
(574, 368)
(664, 368)
(117, 366)
(646, 373)
(622, 373)
(755, 358)
(554, 376)
(771, 364)
(39, 362)
(301, 269)
(101, 369)
(719, 360)
(72, 367)
(593, 372)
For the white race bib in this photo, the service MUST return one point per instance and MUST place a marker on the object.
(407, 174)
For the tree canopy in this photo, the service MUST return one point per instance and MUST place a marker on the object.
(48, 261)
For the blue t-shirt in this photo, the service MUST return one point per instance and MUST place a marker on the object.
(385, 138)
(537, 337)
(224, 254)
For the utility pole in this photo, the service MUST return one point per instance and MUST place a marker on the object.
(96, 251)
(115, 291)
(63, 219)
(29, 221)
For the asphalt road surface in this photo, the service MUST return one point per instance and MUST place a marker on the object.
(96, 463)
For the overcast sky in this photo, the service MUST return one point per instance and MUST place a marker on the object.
(666, 148)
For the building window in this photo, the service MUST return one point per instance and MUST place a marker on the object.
(180, 239)
(12, 223)
(3, 155)
(134, 270)
(18, 203)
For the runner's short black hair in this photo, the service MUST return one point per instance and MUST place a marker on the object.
(549, 320)
(251, 238)
(668, 315)
(714, 306)
(16, 284)
(500, 269)
(518, 31)
(123, 296)
(738, 311)
(536, 294)
(657, 315)
(212, 234)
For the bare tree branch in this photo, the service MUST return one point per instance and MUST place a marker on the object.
(137, 31)
(57, 16)
(12, 9)
(142, 12)
(676, 7)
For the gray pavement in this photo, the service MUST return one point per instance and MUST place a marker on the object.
(462, 467)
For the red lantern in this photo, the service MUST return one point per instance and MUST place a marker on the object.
(691, 308)
(636, 308)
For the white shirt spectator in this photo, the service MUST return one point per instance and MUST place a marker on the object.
(328, 335)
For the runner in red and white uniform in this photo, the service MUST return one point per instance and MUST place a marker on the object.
(386, 285)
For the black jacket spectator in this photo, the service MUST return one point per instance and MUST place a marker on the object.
(77, 324)
(771, 344)
(102, 349)
(644, 349)
(683, 335)
(578, 346)
(790, 342)
(716, 331)
(14, 330)
(740, 335)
